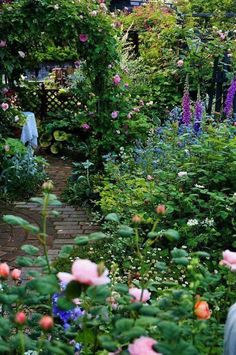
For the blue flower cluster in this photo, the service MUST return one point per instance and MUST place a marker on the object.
(65, 316)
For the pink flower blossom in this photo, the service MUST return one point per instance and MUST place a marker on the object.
(3, 43)
(229, 259)
(136, 109)
(16, 274)
(150, 177)
(126, 85)
(143, 346)
(85, 272)
(4, 106)
(6, 148)
(129, 116)
(4, 270)
(139, 295)
(116, 79)
(83, 37)
(115, 114)
(85, 126)
(46, 323)
(180, 63)
(77, 64)
(20, 318)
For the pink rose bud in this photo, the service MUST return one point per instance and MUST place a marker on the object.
(139, 295)
(16, 274)
(4, 106)
(136, 219)
(46, 323)
(20, 318)
(180, 63)
(4, 270)
(161, 209)
(201, 310)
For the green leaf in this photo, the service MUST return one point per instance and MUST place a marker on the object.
(73, 290)
(124, 324)
(97, 236)
(98, 294)
(178, 253)
(160, 265)
(134, 333)
(65, 304)
(30, 249)
(112, 217)
(38, 200)
(153, 235)
(202, 253)
(45, 285)
(18, 221)
(81, 240)
(24, 261)
(172, 234)
(121, 288)
(181, 261)
(125, 231)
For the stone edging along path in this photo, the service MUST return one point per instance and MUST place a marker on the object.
(71, 222)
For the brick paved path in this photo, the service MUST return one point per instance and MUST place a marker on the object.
(73, 221)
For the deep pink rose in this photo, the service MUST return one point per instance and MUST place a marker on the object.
(229, 259)
(137, 293)
(116, 79)
(83, 37)
(143, 346)
(85, 126)
(85, 272)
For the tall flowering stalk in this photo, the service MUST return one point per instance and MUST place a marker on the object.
(198, 113)
(186, 105)
(230, 98)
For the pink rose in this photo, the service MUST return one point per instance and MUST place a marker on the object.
(83, 37)
(115, 114)
(229, 259)
(180, 63)
(136, 109)
(116, 79)
(150, 178)
(3, 43)
(85, 272)
(143, 346)
(46, 323)
(139, 295)
(4, 270)
(16, 274)
(4, 106)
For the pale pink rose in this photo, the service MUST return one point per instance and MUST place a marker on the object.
(94, 13)
(6, 148)
(83, 37)
(150, 177)
(229, 259)
(4, 106)
(180, 63)
(4, 270)
(143, 346)
(116, 79)
(16, 274)
(129, 116)
(136, 109)
(3, 43)
(85, 272)
(137, 293)
(115, 114)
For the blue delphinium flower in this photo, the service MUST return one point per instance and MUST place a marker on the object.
(65, 316)
(230, 98)
(198, 116)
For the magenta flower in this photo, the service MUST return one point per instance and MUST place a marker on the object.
(3, 43)
(115, 114)
(198, 115)
(77, 64)
(116, 79)
(230, 98)
(85, 126)
(85, 272)
(83, 37)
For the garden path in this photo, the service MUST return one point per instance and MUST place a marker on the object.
(72, 221)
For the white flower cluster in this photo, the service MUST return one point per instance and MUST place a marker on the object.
(199, 186)
(208, 222)
(182, 173)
